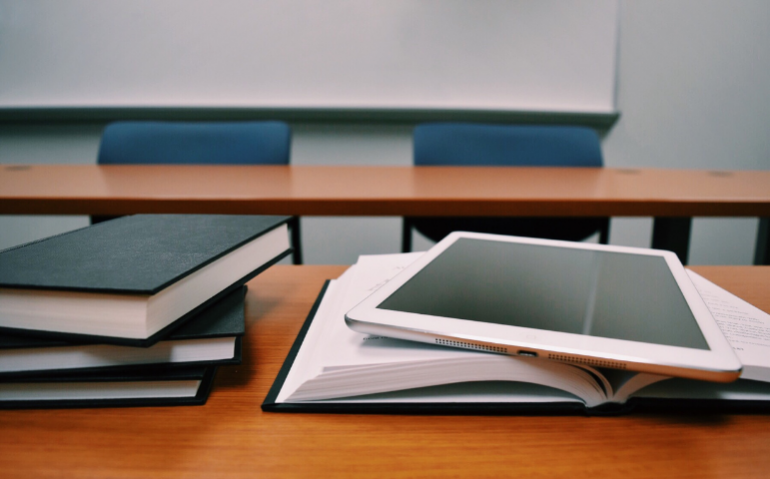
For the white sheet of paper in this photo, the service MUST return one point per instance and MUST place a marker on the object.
(746, 327)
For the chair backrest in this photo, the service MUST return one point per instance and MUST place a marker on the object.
(237, 143)
(505, 145)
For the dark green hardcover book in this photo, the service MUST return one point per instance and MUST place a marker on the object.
(134, 279)
(151, 386)
(212, 337)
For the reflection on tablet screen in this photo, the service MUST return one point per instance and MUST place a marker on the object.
(598, 293)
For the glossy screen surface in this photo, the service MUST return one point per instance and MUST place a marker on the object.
(598, 293)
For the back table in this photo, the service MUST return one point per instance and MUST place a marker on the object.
(673, 197)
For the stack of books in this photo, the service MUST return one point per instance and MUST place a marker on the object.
(332, 368)
(136, 311)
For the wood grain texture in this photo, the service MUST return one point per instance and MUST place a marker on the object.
(377, 191)
(231, 437)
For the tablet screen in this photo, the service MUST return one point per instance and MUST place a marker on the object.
(597, 293)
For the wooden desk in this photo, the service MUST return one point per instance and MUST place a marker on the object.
(231, 437)
(672, 196)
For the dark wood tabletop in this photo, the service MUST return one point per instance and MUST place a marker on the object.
(231, 437)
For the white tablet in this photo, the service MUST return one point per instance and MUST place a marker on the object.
(603, 306)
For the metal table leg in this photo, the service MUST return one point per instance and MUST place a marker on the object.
(672, 234)
(762, 249)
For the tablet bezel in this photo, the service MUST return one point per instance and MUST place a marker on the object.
(719, 363)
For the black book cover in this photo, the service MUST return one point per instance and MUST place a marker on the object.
(636, 405)
(141, 254)
(224, 318)
(204, 374)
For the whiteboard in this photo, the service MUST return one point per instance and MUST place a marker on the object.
(526, 55)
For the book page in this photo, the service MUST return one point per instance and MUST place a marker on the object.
(470, 392)
(341, 362)
(303, 366)
(400, 375)
(329, 328)
(354, 348)
(746, 327)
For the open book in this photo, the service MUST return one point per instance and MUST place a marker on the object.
(332, 368)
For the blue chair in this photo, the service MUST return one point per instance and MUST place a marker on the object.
(466, 144)
(197, 143)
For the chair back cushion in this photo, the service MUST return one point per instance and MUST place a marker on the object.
(505, 145)
(237, 143)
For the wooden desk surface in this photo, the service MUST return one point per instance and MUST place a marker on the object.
(231, 437)
(376, 191)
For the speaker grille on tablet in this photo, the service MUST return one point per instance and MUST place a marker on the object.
(479, 347)
(600, 363)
